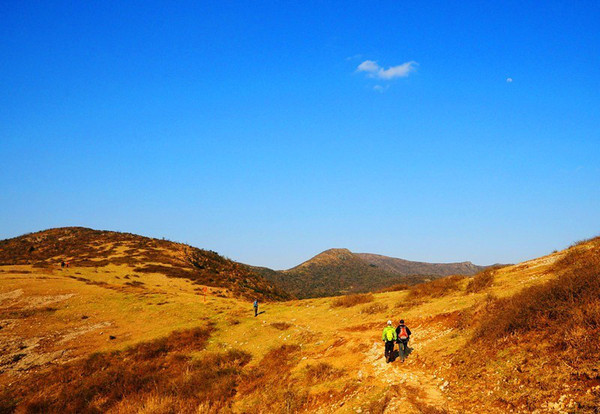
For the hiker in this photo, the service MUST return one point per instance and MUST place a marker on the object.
(62, 263)
(255, 308)
(403, 335)
(389, 336)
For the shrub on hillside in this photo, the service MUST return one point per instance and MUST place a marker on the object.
(321, 372)
(435, 289)
(482, 280)
(282, 326)
(374, 308)
(394, 288)
(352, 300)
(566, 310)
(269, 387)
(130, 379)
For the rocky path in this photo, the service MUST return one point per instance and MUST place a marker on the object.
(414, 391)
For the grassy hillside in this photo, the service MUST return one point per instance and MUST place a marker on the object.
(136, 255)
(339, 271)
(83, 340)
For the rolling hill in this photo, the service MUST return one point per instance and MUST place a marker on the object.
(339, 271)
(136, 256)
(521, 338)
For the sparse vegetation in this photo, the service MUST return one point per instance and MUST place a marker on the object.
(570, 300)
(395, 288)
(282, 326)
(269, 387)
(556, 323)
(157, 370)
(374, 308)
(321, 372)
(379, 406)
(352, 300)
(25, 313)
(436, 288)
(595, 239)
(482, 280)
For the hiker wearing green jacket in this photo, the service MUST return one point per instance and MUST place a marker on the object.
(389, 337)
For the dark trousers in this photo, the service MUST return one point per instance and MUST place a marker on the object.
(256, 311)
(389, 348)
(403, 347)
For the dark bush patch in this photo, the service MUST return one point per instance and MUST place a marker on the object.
(395, 288)
(374, 308)
(103, 380)
(352, 300)
(436, 288)
(482, 280)
(25, 313)
(282, 326)
(321, 372)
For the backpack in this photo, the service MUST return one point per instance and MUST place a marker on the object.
(389, 334)
(403, 334)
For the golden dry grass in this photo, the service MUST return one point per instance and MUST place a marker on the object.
(436, 288)
(352, 300)
(326, 357)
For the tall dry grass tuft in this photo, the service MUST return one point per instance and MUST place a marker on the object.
(374, 308)
(321, 372)
(482, 280)
(154, 374)
(352, 300)
(270, 387)
(436, 288)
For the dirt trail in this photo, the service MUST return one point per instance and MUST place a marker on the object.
(417, 390)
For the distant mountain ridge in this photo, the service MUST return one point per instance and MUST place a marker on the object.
(340, 271)
(408, 267)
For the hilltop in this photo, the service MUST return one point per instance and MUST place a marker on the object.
(340, 271)
(522, 338)
(136, 255)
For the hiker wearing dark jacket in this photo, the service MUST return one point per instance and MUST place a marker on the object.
(389, 336)
(403, 336)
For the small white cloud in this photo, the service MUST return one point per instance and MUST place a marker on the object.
(509, 80)
(368, 66)
(373, 70)
(380, 88)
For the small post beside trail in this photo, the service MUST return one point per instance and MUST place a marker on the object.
(204, 290)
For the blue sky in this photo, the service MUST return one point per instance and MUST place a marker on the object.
(270, 131)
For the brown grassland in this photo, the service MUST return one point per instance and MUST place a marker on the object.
(87, 339)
